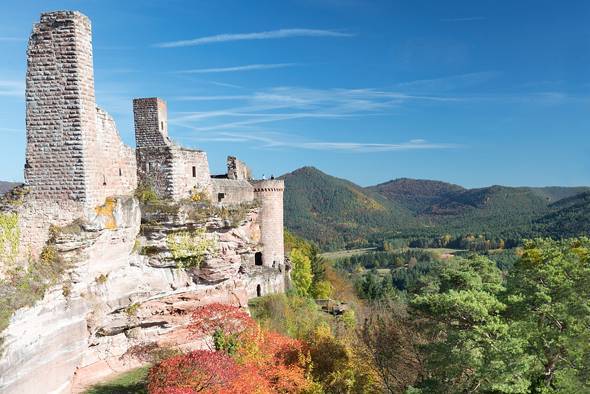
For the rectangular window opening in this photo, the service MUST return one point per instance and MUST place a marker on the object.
(194, 172)
(220, 197)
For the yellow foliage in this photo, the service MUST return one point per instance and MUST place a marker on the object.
(9, 237)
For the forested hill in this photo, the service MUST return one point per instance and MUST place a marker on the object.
(336, 213)
(416, 195)
(569, 217)
(6, 186)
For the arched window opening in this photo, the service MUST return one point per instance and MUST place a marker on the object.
(258, 291)
(258, 258)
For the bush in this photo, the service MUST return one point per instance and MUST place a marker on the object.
(249, 359)
(189, 248)
(146, 193)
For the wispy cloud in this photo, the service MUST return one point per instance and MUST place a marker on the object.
(265, 35)
(464, 19)
(225, 84)
(281, 104)
(248, 67)
(274, 140)
(12, 88)
(449, 82)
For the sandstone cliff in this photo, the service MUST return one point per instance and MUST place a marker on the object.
(135, 275)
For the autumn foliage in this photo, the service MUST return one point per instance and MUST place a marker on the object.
(260, 362)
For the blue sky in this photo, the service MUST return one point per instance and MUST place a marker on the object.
(471, 92)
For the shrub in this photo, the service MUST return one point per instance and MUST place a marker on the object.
(145, 193)
(22, 287)
(250, 359)
(301, 274)
(189, 248)
(9, 237)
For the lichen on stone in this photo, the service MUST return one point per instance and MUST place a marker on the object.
(107, 210)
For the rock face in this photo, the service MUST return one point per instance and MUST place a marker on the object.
(131, 286)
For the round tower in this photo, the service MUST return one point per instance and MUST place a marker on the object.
(270, 195)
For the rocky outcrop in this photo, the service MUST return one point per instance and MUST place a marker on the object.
(130, 285)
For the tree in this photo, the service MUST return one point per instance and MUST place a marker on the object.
(389, 343)
(301, 274)
(549, 308)
(460, 313)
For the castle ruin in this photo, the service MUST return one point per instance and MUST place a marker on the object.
(75, 158)
(132, 272)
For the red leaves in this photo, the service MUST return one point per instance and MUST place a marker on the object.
(265, 362)
(229, 319)
(195, 372)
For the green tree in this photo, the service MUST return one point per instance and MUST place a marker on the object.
(301, 274)
(462, 314)
(549, 308)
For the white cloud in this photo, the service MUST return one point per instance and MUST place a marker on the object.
(288, 103)
(265, 35)
(248, 67)
(447, 83)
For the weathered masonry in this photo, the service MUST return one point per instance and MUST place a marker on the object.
(173, 171)
(75, 158)
(74, 151)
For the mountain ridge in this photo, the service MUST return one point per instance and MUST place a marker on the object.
(318, 206)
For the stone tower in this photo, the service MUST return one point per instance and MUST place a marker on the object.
(171, 170)
(270, 195)
(75, 158)
(74, 152)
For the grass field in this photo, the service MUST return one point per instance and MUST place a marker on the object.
(346, 253)
(132, 382)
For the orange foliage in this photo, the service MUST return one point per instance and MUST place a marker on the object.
(265, 361)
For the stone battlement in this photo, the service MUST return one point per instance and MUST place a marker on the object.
(268, 185)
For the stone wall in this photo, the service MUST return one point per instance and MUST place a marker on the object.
(237, 169)
(270, 194)
(112, 162)
(190, 173)
(151, 122)
(228, 191)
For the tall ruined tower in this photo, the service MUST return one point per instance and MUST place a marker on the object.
(270, 195)
(74, 152)
(75, 158)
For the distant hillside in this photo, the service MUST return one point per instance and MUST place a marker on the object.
(569, 217)
(7, 186)
(416, 194)
(337, 213)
